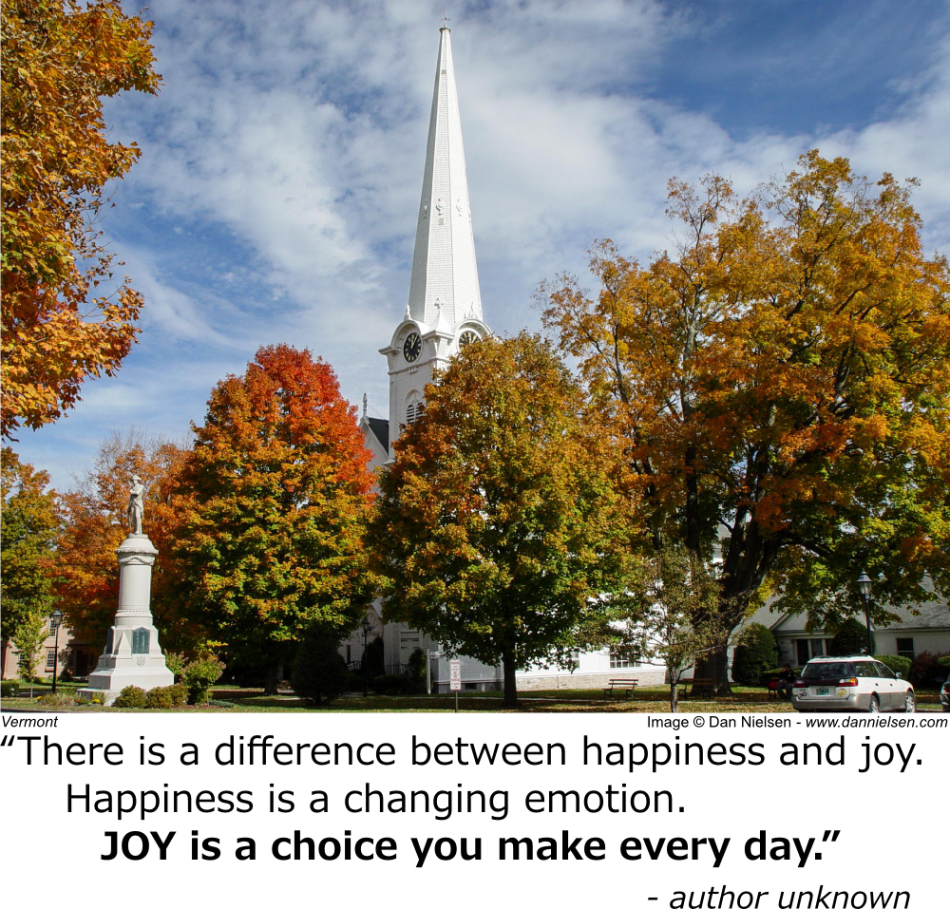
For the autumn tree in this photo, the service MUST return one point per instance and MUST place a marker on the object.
(279, 486)
(668, 615)
(95, 524)
(59, 60)
(494, 525)
(779, 386)
(29, 522)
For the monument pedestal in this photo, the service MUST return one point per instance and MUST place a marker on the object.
(132, 655)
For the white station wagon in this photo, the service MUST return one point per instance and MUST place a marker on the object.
(851, 683)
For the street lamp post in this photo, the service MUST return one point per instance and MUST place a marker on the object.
(366, 629)
(864, 588)
(55, 620)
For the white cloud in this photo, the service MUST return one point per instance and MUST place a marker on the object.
(282, 162)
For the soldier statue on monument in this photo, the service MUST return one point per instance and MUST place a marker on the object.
(136, 509)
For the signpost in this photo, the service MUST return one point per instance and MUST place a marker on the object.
(455, 679)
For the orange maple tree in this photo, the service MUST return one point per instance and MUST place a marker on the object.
(58, 61)
(95, 524)
(780, 387)
(279, 488)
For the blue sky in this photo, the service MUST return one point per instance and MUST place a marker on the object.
(276, 197)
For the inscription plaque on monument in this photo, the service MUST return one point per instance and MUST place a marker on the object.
(140, 640)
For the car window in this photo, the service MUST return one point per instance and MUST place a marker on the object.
(824, 671)
(885, 671)
(865, 671)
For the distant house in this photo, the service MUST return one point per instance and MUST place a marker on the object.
(925, 628)
(76, 656)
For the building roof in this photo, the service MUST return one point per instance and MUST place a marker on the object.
(444, 274)
(380, 429)
(932, 616)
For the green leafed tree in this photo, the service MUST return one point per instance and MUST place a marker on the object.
(28, 638)
(669, 615)
(494, 527)
(274, 497)
(30, 522)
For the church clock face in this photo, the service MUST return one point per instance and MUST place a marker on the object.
(412, 348)
(466, 338)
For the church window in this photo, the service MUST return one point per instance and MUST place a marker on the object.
(414, 409)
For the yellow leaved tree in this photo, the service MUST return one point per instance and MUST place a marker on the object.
(779, 387)
(59, 60)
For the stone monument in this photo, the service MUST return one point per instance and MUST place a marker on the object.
(132, 655)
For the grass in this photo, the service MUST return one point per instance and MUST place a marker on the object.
(45, 685)
(564, 700)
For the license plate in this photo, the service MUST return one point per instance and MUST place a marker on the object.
(822, 692)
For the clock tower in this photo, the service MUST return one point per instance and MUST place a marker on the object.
(444, 311)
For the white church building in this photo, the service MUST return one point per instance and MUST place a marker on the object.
(443, 315)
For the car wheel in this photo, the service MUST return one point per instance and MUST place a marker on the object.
(910, 702)
(874, 706)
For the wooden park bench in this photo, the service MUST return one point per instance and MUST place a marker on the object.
(694, 684)
(624, 685)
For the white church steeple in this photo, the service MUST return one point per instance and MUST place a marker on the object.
(444, 312)
(444, 275)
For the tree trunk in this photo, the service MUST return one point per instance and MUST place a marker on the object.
(674, 697)
(272, 679)
(714, 666)
(511, 685)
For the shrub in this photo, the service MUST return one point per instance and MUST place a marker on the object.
(770, 675)
(926, 672)
(319, 675)
(355, 680)
(393, 684)
(131, 696)
(176, 663)
(896, 663)
(9, 688)
(943, 664)
(850, 639)
(199, 675)
(60, 699)
(166, 697)
(756, 652)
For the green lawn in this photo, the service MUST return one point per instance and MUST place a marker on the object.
(565, 700)
(444, 703)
